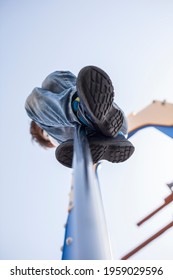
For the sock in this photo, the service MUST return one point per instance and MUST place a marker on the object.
(75, 104)
(75, 107)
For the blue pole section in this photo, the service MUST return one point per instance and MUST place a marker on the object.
(86, 236)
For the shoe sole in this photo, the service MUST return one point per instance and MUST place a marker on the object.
(107, 149)
(96, 91)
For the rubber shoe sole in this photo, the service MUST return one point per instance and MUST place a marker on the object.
(96, 93)
(108, 149)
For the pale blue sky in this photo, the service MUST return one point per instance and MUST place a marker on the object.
(133, 42)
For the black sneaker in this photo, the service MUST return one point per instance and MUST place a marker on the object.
(116, 149)
(96, 94)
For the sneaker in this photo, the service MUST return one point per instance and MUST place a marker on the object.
(96, 94)
(116, 149)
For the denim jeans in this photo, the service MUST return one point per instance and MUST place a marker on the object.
(50, 106)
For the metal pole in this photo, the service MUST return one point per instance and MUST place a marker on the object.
(168, 200)
(86, 235)
(134, 251)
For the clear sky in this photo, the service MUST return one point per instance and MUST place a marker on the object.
(133, 42)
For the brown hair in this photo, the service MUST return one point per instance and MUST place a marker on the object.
(37, 135)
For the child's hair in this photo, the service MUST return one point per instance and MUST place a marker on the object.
(37, 135)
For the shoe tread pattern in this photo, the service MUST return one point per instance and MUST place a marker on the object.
(97, 93)
(102, 93)
(113, 122)
(119, 153)
(112, 153)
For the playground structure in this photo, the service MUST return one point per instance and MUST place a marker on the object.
(86, 235)
(158, 115)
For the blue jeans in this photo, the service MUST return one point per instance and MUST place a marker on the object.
(50, 106)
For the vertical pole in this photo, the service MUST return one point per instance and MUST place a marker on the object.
(86, 233)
